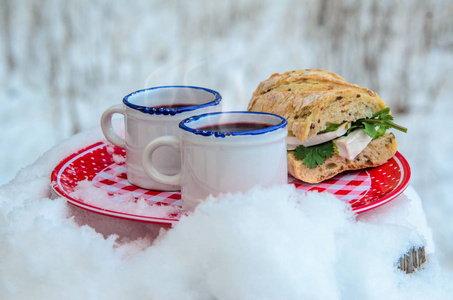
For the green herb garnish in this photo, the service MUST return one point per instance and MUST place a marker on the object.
(315, 155)
(376, 126)
(329, 128)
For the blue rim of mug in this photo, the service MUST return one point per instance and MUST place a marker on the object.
(219, 134)
(171, 111)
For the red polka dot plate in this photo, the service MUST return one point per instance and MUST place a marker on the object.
(101, 165)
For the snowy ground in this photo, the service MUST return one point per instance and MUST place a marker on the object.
(237, 247)
(63, 63)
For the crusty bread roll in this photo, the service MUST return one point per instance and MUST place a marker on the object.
(377, 153)
(311, 99)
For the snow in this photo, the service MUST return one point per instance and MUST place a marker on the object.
(237, 246)
(87, 193)
(64, 63)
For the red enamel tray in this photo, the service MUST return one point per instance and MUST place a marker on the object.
(103, 164)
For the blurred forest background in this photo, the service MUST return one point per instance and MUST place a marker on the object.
(62, 63)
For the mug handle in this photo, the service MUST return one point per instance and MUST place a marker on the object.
(107, 127)
(147, 163)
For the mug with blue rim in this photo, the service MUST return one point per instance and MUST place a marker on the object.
(223, 152)
(152, 113)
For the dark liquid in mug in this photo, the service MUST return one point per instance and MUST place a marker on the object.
(175, 106)
(234, 127)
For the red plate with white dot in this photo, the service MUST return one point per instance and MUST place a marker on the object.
(102, 164)
(365, 189)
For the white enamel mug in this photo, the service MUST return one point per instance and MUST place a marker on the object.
(152, 113)
(223, 152)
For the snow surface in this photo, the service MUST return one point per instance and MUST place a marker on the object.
(237, 246)
(65, 62)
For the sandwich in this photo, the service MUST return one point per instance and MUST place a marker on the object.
(333, 126)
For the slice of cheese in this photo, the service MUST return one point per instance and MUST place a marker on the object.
(351, 145)
(328, 136)
(293, 141)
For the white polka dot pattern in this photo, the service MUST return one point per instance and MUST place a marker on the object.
(364, 190)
